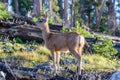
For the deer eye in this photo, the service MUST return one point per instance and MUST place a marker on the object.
(42, 20)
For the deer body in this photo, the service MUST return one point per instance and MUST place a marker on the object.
(57, 42)
(62, 41)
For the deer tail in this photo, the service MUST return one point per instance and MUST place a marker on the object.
(86, 44)
(81, 40)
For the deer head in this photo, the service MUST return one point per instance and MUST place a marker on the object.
(43, 22)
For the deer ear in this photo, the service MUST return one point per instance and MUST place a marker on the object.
(46, 17)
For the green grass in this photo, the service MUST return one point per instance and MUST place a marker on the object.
(28, 54)
(38, 54)
(31, 58)
(95, 62)
(99, 63)
(42, 51)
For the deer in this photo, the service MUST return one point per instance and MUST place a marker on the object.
(58, 42)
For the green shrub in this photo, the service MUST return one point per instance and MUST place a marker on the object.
(34, 19)
(78, 29)
(17, 40)
(51, 21)
(58, 19)
(105, 48)
(3, 11)
(81, 31)
(64, 30)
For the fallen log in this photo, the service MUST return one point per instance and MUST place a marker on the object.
(29, 32)
(22, 73)
(114, 38)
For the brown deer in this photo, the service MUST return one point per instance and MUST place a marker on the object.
(57, 42)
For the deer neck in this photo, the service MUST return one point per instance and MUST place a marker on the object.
(45, 33)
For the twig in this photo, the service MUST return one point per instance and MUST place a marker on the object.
(9, 70)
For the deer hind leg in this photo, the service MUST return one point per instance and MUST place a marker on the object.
(78, 56)
(80, 60)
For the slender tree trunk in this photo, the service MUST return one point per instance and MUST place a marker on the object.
(37, 7)
(40, 1)
(50, 8)
(98, 19)
(66, 24)
(60, 3)
(96, 13)
(89, 20)
(73, 14)
(96, 8)
(89, 14)
(111, 17)
(16, 6)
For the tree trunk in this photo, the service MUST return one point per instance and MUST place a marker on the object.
(96, 13)
(98, 19)
(96, 8)
(89, 14)
(16, 6)
(111, 17)
(40, 1)
(73, 14)
(60, 3)
(37, 7)
(66, 24)
(50, 7)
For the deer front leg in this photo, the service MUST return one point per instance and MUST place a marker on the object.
(54, 61)
(58, 60)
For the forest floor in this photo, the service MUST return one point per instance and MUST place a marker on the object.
(35, 55)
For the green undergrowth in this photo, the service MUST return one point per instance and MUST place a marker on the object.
(95, 62)
(29, 54)
(99, 63)
(3, 11)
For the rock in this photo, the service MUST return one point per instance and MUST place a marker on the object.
(115, 76)
(2, 75)
(45, 66)
(68, 61)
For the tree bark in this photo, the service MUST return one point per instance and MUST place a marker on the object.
(98, 19)
(96, 9)
(73, 14)
(66, 24)
(60, 3)
(89, 14)
(16, 6)
(37, 7)
(50, 8)
(111, 17)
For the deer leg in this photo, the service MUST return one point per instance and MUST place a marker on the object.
(58, 60)
(79, 65)
(54, 61)
(78, 56)
(80, 60)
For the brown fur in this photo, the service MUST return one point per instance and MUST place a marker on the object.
(57, 42)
